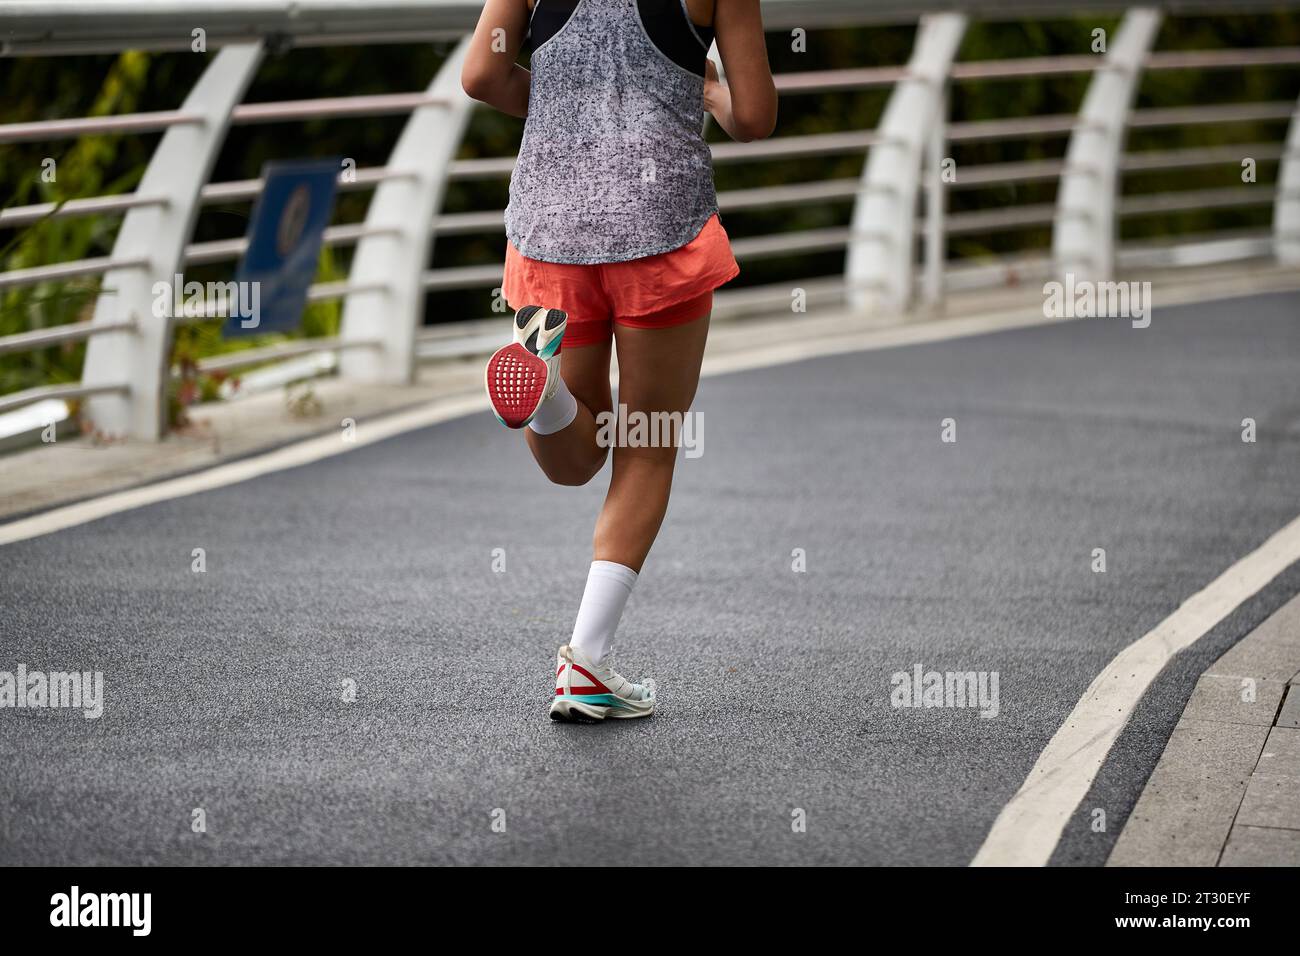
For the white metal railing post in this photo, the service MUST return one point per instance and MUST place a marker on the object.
(936, 207)
(391, 260)
(880, 263)
(1083, 234)
(1286, 206)
(155, 237)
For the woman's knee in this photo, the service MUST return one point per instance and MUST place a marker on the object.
(645, 467)
(575, 473)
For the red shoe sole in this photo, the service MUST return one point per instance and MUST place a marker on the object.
(516, 382)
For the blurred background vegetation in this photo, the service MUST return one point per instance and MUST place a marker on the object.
(35, 89)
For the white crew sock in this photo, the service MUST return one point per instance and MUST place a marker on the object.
(556, 412)
(608, 587)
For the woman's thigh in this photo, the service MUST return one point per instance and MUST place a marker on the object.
(659, 369)
(585, 370)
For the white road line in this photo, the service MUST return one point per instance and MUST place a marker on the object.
(1030, 825)
(290, 456)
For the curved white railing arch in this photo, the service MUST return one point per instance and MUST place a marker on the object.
(1083, 237)
(134, 362)
(1286, 209)
(389, 263)
(879, 266)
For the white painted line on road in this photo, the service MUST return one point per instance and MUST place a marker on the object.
(1030, 825)
(290, 456)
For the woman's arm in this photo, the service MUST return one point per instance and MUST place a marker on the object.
(490, 73)
(745, 106)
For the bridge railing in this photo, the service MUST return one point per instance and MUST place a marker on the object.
(896, 243)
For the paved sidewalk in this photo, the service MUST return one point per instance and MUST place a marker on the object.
(1225, 791)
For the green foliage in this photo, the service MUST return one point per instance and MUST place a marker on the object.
(108, 165)
(84, 167)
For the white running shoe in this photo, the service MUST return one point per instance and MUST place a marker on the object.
(587, 691)
(525, 373)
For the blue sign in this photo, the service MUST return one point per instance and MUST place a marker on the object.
(284, 241)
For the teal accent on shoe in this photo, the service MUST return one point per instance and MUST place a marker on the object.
(551, 347)
(603, 700)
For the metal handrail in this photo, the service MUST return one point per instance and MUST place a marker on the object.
(1182, 200)
(238, 190)
(825, 81)
(48, 130)
(225, 250)
(1198, 156)
(1223, 59)
(118, 24)
(1218, 113)
(786, 147)
(43, 393)
(66, 270)
(993, 174)
(330, 107)
(58, 334)
(318, 292)
(277, 352)
(234, 191)
(75, 208)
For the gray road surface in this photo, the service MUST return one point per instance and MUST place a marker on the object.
(224, 689)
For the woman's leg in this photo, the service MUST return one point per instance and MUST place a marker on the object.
(571, 456)
(659, 371)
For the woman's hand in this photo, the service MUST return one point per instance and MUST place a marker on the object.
(717, 98)
(745, 105)
(710, 75)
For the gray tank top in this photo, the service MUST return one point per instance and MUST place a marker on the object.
(613, 164)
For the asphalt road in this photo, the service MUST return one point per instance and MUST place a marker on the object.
(224, 689)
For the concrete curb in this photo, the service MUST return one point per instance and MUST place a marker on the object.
(1223, 792)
